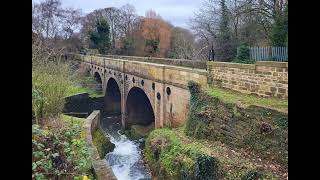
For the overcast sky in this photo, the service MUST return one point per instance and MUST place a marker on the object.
(177, 12)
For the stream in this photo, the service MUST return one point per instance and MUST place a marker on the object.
(126, 160)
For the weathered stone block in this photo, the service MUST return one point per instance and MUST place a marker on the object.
(281, 90)
(273, 89)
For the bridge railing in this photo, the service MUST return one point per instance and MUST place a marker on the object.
(279, 54)
(167, 61)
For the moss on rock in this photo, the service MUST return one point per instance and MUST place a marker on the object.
(102, 143)
(137, 131)
(132, 134)
(169, 158)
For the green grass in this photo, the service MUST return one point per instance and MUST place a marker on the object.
(71, 118)
(82, 84)
(230, 96)
(76, 89)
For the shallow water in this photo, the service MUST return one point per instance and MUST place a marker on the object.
(126, 159)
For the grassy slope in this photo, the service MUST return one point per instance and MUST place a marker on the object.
(76, 89)
(241, 99)
(236, 162)
(178, 152)
(218, 119)
(71, 118)
(83, 84)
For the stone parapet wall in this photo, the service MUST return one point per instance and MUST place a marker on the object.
(175, 62)
(168, 74)
(264, 78)
(101, 167)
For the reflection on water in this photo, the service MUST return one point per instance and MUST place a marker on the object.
(126, 159)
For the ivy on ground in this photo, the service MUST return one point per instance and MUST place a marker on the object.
(59, 151)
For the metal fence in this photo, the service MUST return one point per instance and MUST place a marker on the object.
(269, 54)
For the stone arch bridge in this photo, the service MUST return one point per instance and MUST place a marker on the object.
(145, 92)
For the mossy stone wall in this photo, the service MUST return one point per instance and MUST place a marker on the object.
(95, 135)
(102, 143)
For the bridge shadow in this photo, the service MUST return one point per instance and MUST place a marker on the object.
(138, 109)
(112, 98)
(98, 80)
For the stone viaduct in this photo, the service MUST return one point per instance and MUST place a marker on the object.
(144, 92)
(154, 90)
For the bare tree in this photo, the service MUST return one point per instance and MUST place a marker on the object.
(113, 18)
(54, 25)
(251, 21)
(205, 21)
(71, 22)
(121, 22)
(47, 18)
(182, 44)
(88, 24)
(128, 18)
(152, 14)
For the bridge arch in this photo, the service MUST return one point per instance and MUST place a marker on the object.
(87, 71)
(97, 77)
(99, 83)
(139, 110)
(112, 97)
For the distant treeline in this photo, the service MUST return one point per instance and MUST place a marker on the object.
(222, 25)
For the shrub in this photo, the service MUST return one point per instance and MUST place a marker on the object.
(52, 81)
(193, 87)
(59, 151)
(243, 55)
(252, 175)
(206, 167)
(193, 122)
(169, 158)
(49, 87)
(37, 104)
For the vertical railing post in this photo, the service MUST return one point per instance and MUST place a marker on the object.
(279, 54)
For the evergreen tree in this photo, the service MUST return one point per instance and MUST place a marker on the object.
(100, 38)
(286, 23)
(279, 36)
(226, 49)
